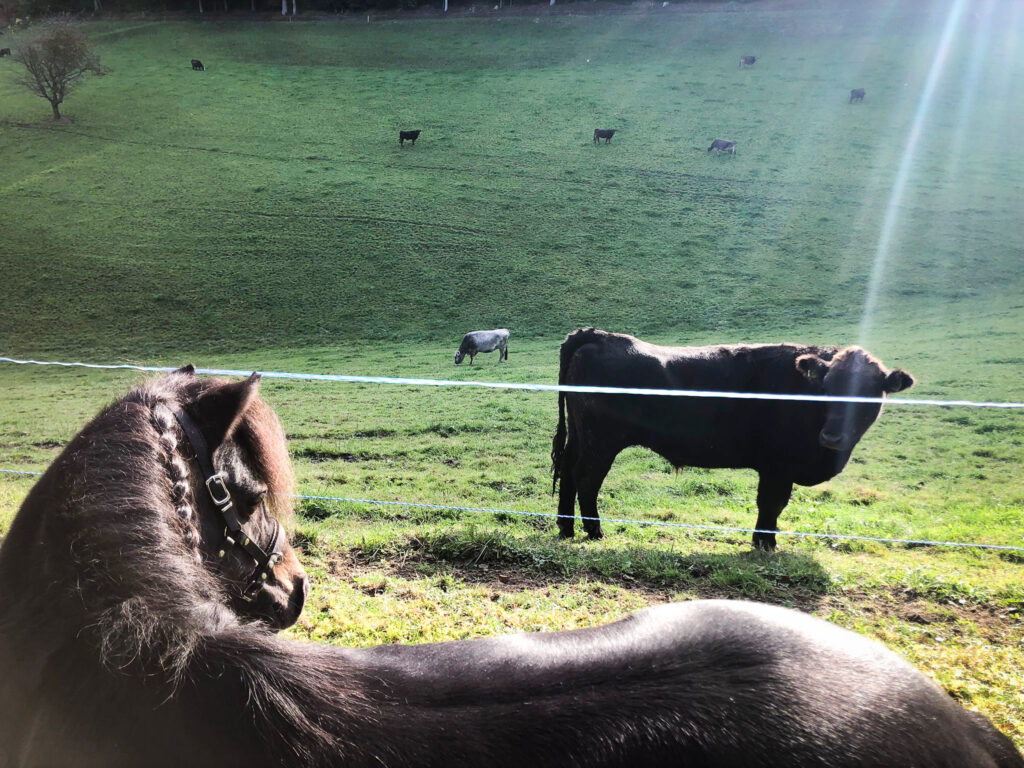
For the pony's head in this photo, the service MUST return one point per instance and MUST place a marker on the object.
(237, 479)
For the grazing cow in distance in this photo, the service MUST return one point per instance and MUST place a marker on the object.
(723, 145)
(404, 136)
(857, 94)
(787, 442)
(476, 342)
(747, 61)
(600, 133)
(197, 64)
(5, 52)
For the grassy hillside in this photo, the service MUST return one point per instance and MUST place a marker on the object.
(266, 201)
(261, 215)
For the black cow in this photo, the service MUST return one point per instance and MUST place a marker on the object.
(723, 145)
(786, 442)
(5, 52)
(600, 133)
(197, 64)
(857, 94)
(747, 61)
(404, 136)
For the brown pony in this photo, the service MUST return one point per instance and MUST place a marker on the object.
(127, 639)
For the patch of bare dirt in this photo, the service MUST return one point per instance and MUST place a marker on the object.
(996, 624)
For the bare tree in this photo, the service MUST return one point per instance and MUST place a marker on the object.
(56, 56)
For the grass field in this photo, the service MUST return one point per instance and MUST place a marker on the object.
(262, 215)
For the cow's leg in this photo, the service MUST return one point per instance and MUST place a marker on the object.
(567, 491)
(773, 493)
(590, 474)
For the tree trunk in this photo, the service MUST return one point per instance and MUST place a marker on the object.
(200, 6)
(293, 7)
(284, 7)
(56, 111)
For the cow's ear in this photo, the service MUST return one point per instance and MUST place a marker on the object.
(220, 410)
(187, 370)
(897, 380)
(812, 366)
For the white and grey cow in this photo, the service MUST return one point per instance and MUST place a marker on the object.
(475, 342)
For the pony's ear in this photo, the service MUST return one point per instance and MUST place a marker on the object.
(812, 366)
(897, 380)
(187, 370)
(220, 410)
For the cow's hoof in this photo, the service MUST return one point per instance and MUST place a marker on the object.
(595, 533)
(566, 534)
(764, 542)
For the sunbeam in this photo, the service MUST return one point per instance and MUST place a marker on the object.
(971, 81)
(896, 197)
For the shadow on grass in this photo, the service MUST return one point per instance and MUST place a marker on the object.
(479, 554)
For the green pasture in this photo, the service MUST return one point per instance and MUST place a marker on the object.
(261, 215)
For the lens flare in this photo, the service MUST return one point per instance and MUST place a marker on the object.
(899, 187)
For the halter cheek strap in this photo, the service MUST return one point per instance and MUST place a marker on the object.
(234, 534)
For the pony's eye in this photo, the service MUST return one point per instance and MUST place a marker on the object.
(254, 500)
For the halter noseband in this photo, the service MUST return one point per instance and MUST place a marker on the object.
(234, 535)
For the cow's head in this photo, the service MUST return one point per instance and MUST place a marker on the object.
(459, 357)
(853, 372)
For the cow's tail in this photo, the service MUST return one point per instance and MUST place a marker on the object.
(572, 342)
(558, 444)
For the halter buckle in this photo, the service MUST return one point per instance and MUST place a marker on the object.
(215, 485)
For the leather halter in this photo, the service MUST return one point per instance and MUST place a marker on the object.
(234, 535)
